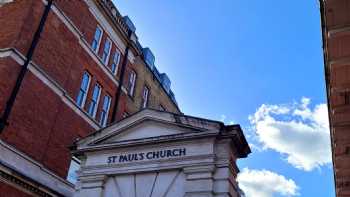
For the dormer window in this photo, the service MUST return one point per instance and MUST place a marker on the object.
(97, 39)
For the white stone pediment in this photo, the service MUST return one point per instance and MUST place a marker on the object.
(149, 126)
(147, 129)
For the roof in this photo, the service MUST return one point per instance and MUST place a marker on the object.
(124, 25)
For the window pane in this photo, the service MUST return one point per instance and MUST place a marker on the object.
(84, 86)
(131, 85)
(125, 114)
(96, 93)
(103, 120)
(72, 172)
(145, 97)
(80, 98)
(105, 110)
(106, 102)
(97, 38)
(106, 49)
(94, 101)
(116, 59)
(98, 33)
(85, 82)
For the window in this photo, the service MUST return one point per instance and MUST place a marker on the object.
(347, 98)
(131, 84)
(84, 87)
(125, 114)
(106, 51)
(105, 109)
(97, 39)
(73, 168)
(145, 95)
(116, 59)
(161, 108)
(94, 100)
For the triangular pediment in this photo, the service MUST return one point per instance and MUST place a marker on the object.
(146, 129)
(149, 125)
(153, 127)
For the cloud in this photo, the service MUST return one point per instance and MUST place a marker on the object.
(223, 118)
(264, 183)
(297, 131)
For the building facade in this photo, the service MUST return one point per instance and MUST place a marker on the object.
(82, 71)
(335, 15)
(161, 154)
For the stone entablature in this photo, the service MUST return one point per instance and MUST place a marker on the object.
(156, 154)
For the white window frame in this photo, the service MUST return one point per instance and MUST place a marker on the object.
(125, 114)
(100, 39)
(116, 63)
(87, 89)
(105, 62)
(132, 81)
(93, 115)
(75, 161)
(106, 113)
(145, 97)
(162, 108)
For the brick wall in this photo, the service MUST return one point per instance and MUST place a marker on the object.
(9, 191)
(41, 124)
(337, 48)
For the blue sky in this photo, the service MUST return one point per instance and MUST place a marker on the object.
(227, 58)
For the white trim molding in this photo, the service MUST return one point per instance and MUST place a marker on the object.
(28, 167)
(339, 31)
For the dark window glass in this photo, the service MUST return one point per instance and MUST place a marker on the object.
(83, 89)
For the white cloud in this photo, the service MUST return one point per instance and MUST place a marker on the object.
(264, 183)
(297, 131)
(223, 118)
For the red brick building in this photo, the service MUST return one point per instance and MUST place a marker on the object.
(336, 46)
(87, 59)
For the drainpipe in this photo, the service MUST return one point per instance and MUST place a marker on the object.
(122, 75)
(24, 68)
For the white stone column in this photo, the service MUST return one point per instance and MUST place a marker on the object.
(199, 181)
(91, 186)
(225, 184)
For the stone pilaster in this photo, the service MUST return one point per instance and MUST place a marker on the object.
(199, 181)
(91, 186)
